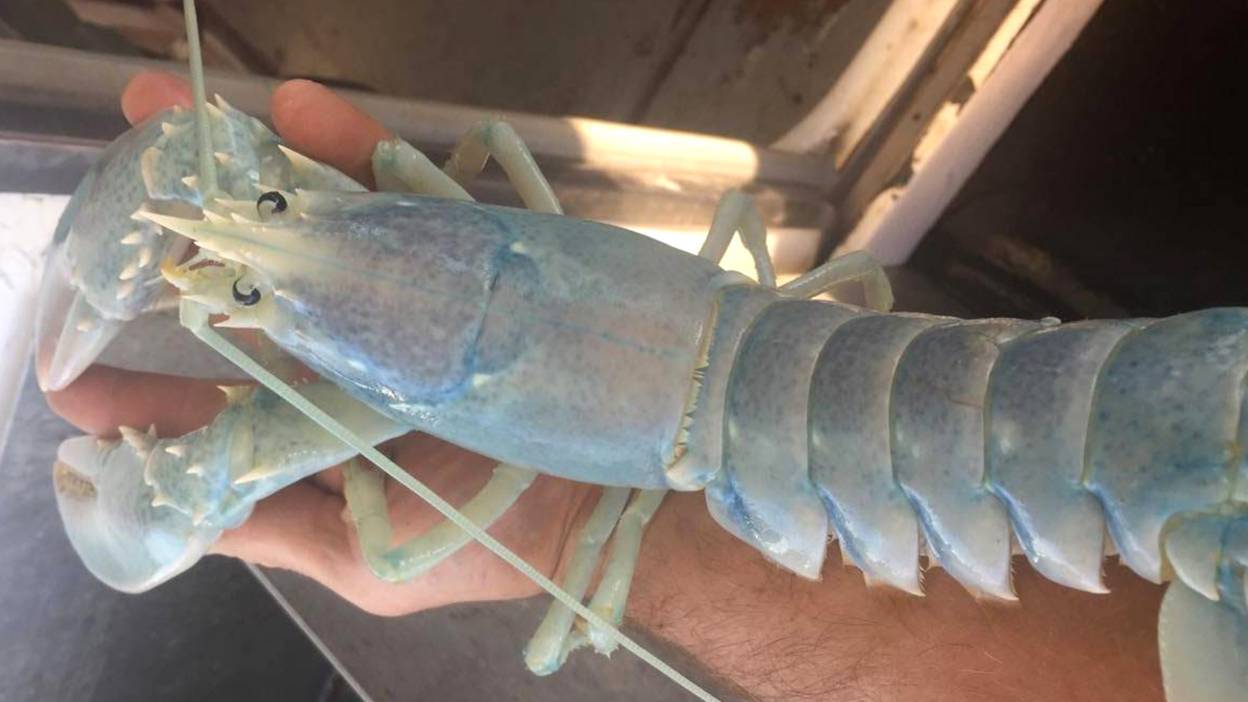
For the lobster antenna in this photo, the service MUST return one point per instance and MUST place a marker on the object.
(207, 165)
(194, 317)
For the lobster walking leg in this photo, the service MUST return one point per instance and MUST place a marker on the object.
(737, 212)
(492, 137)
(853, 266)
(364, 490)
(554, 640)
(612, 594)
(398, 166)
(552, 643)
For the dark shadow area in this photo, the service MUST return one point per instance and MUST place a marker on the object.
(1120, 188)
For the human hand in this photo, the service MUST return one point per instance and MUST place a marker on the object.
(305, 527)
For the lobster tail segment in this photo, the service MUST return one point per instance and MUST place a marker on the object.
(850, 449)
(938, 414)
(967, 435)
(1165, 437)
(763, 494)
(1039, 400)
(897, 427)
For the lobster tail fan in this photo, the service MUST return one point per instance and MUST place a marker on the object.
(1204, 648)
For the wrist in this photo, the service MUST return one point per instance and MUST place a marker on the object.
(779, 636)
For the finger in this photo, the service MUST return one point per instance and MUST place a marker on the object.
(330, 480)
(299, 528)
(103, 398)
(315, 121)
(152, 91)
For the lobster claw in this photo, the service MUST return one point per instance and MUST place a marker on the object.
(69, 332)
(114, 521)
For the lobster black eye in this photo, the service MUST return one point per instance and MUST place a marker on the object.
(245, 299)
(273, 197)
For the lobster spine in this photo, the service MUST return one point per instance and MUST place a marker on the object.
(971, 435)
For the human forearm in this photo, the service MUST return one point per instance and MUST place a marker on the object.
(780, 637)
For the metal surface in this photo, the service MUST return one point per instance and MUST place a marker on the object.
(938, 178)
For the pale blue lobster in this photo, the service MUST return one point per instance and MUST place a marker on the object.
(593, 353)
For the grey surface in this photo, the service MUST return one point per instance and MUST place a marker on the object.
(465, 652)
(211, 634)
(45, 165)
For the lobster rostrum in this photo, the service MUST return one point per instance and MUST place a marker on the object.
(593, 353)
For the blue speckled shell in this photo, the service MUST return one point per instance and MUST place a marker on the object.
(966, 435)
(538, 340)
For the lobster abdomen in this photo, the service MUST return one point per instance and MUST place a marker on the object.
(975, 433)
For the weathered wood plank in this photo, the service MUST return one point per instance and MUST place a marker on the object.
(753, 68)
(563, 57)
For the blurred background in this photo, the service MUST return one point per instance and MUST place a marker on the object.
(1117, 190)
